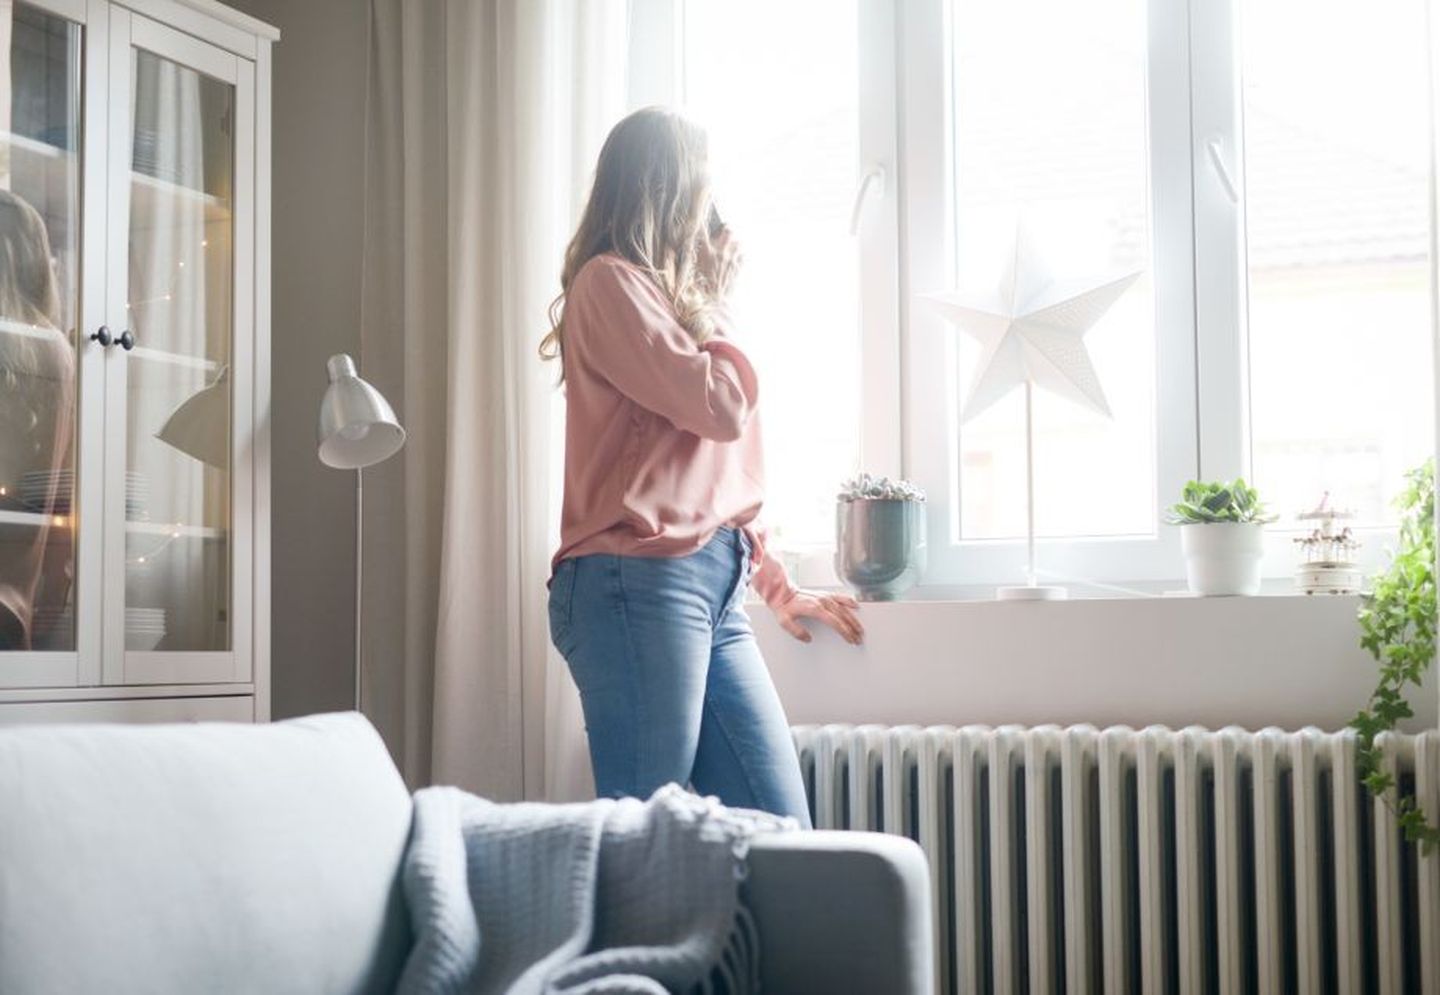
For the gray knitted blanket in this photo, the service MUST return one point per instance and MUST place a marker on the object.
(603, 897)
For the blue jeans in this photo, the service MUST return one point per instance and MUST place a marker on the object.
(671, 679)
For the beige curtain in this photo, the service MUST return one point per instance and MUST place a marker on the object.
(179, 301)
(483, 118)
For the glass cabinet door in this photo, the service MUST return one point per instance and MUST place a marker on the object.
(180, 347)
(41, 354)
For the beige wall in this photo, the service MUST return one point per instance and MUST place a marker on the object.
(318, 195)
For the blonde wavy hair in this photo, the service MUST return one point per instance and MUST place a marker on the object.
(649, 205)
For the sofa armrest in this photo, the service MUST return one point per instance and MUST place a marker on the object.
(841, 912)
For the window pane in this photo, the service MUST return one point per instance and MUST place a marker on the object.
(181, 306)
(1070, 161)
(1337, 173)
(781, 103)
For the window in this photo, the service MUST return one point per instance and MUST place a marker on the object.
(1068, 168)
(782, 109)
(1278, 210)
(1337, 224)
(1070, 124)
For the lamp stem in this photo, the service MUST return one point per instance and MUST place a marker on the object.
(1029, 484)
(359, 574)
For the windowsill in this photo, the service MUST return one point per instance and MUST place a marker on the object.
(1278, 588)
(1281, 659)
(813, 567)
(1275, 588)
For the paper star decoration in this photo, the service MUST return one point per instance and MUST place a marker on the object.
(1032, 329)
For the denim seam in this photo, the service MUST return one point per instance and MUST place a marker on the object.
(747, 574)
(630, 661)
(736, 594)
(714, 713)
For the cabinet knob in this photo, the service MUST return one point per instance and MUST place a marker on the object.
(102, 335)
(127, 340)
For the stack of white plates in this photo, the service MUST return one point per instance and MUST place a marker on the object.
(144, 628)
(50, 492)
(137, 496)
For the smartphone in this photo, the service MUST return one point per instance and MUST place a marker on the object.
(715, 223)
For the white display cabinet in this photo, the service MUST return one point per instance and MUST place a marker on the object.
(134, 361)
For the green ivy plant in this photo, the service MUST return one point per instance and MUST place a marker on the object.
(1397, 623)
(1212, 503)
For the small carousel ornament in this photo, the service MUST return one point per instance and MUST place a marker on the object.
(1328, 565)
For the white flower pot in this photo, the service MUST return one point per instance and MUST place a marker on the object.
(1223, 557)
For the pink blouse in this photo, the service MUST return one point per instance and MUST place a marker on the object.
(662, 437)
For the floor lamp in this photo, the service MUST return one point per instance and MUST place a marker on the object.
(358, 428)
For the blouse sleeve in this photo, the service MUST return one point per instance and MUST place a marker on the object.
(627, 333)
(770, 580)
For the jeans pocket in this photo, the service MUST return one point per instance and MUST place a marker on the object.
(562, 600)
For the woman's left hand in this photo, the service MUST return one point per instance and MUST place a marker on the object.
(719, 261)
(839, 611)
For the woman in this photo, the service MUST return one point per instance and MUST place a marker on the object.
(663, 483)
(37, 396)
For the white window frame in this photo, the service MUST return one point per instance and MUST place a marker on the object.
(932, 434)
(1222, 343)
(909, 394)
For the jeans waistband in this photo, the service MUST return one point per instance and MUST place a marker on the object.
(732, 537)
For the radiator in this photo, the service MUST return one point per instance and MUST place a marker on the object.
(1116, 860)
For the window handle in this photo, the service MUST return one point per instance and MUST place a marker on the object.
(874, 175)
(1222, 172)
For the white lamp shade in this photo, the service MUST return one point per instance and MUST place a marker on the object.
(200, 426)
(358, 428)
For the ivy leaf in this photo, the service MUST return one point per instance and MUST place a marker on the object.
(1397, 628)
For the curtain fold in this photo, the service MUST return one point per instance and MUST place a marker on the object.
(184, 311)
(484, 120)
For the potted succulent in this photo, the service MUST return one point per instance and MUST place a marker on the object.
(1222, 529)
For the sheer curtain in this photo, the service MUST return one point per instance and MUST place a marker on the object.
(185, 311)
(485, 117)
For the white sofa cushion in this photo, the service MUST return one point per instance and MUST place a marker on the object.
(201, 858)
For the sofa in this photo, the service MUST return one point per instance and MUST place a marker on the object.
(232, 858)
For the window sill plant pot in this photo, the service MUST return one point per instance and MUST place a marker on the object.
(880, 548)
(1222, 534)
(1223, 558)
